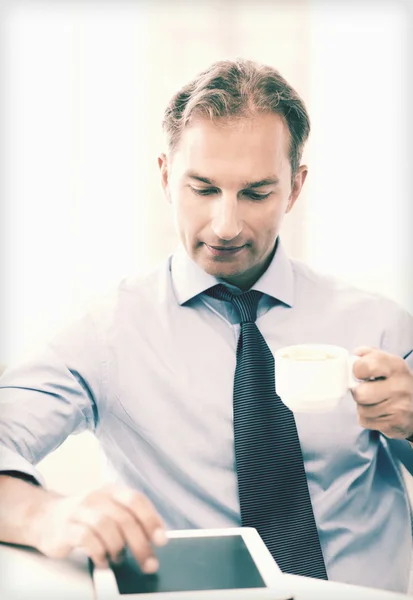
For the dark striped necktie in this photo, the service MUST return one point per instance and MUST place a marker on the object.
(272, 484)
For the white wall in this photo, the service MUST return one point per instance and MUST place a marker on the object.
(74, 131)
(82, 90)
(360, 209)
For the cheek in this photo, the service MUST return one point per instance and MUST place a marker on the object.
(189, 214)
(265, 219)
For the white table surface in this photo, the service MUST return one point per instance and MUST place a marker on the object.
(24, 573)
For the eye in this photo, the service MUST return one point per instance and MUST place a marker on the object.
(204, 191)
(255, 196)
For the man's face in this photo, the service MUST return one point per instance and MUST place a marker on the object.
(229, 183)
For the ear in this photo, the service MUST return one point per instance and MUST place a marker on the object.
(297, 186)
(163, 166)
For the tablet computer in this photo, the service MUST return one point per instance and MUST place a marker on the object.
(196, 564)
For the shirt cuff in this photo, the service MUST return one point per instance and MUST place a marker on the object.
(12, 461)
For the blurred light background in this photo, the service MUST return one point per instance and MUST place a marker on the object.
(83, 85)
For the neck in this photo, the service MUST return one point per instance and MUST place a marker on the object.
(244, 281)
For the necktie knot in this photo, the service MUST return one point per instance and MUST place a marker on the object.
(245, 303)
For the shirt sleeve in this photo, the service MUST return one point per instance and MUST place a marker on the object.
(49, 396)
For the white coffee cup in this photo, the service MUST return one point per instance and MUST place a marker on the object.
(313, 377)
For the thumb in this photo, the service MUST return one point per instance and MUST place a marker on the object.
(363, 350)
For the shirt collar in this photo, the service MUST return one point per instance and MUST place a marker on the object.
(189, 280)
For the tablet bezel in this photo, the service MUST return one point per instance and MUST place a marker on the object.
(106, 587)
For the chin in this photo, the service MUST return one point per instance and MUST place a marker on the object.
(220, 270)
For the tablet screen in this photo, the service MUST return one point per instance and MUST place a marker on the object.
(190, 564)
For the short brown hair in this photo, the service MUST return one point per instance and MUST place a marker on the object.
(239, 88)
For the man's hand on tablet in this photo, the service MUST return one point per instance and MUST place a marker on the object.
(101, 523)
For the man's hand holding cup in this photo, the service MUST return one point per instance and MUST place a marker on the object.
(384, 397)
(315, 377)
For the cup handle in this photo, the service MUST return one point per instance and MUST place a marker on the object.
(352, 380)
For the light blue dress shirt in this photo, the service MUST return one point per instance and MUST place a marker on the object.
(150, 371)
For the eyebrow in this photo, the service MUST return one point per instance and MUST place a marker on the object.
(246, 184)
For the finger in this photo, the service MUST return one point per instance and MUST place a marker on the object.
(376, 364)
(378, 424)
(144, 512)
(386, 425)
(104, 526)
(139, 545)
(84, 538)
(132, 535)
(363, 350)
(376, 411)
(372, 392)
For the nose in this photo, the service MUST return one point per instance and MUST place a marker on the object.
(226, 223)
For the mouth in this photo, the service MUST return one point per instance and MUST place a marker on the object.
(224, 251)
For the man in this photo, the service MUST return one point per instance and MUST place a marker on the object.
(167, 372)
